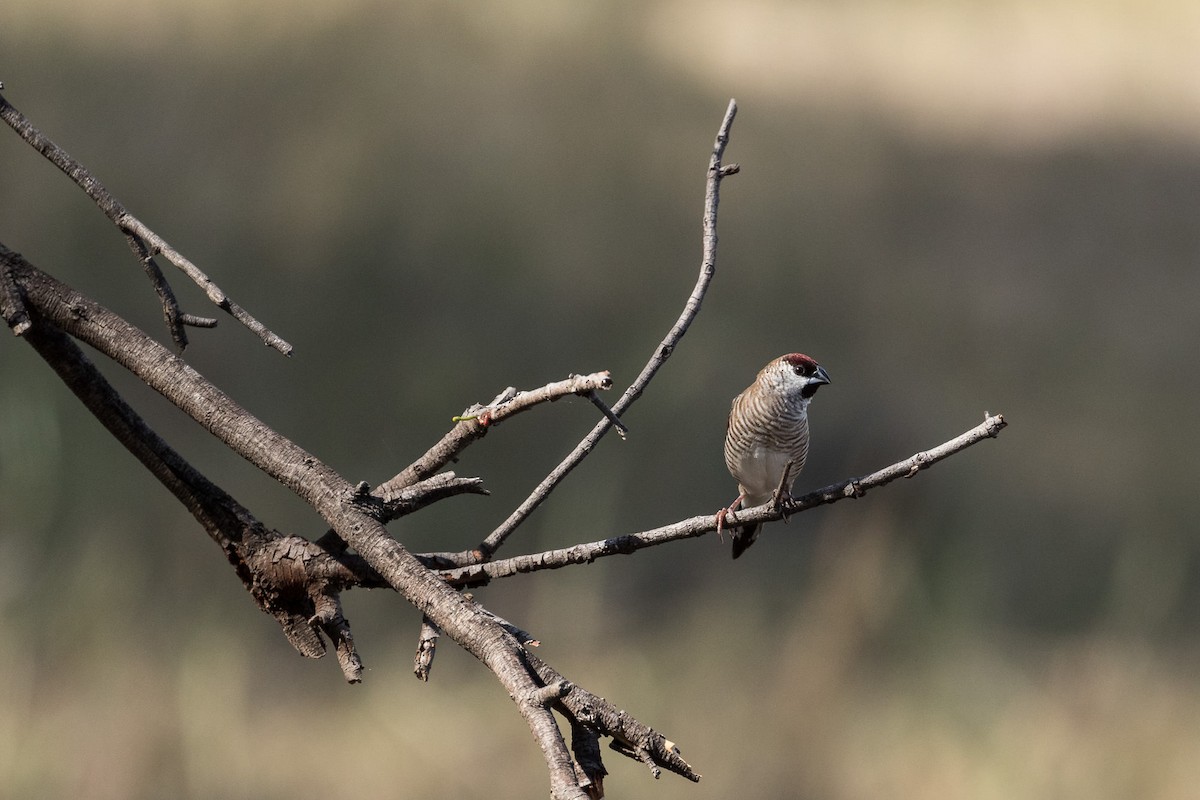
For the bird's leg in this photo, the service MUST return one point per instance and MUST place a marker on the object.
(724, 512)
(781, 491)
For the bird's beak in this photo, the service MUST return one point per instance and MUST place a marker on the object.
(814, 382)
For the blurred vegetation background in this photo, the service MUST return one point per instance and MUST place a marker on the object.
(954, 206)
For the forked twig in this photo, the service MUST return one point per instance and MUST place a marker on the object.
(144, 242)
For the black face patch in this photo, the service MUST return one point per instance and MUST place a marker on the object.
(810, 370)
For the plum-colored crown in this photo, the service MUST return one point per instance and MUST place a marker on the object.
(806, 364)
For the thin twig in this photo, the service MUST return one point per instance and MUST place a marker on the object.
(172, 314)
(144, 242)
(708, 268)
(584, 385)
(622, 430)
(698, 526)
(192, 321)
(391, 505)
(131, 224)
(440, 486)
(474, 423)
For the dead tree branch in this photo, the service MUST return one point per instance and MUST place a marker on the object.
(299, 582)
(349, 511)
(629, 736)
(50, 314)
(290, 578)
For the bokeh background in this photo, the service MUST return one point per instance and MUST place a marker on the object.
(955, 206)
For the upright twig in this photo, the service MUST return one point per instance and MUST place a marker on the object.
(708, 268)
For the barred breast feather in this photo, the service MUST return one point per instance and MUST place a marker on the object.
(765, 433)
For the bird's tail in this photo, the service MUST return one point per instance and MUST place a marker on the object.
(744, 537)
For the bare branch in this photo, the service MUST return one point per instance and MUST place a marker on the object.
(630, 737)
(348, 510)
(131, 224)
(585, 385)
(473, 424)
(290, 578)
(440, 486)
(192, 321)
(608, 412)
(708, 268)
(299, 582)
(698, 526)
(546, 695)
(143, 241)
(400, 502)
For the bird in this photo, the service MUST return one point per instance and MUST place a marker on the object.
(766, 436)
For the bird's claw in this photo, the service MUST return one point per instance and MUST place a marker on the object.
(779, 499)
(721, 523)
(781, 493)
(725, 512)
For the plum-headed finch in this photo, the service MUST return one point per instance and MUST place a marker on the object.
(766, 441)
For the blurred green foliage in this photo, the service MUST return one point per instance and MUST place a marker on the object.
(954, 207)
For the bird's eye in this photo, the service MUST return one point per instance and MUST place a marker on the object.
(799, 371)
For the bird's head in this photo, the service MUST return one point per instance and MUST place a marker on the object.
(796, 373)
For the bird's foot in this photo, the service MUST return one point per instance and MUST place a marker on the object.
(781, 494)
(725, 512)
(780, 500)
